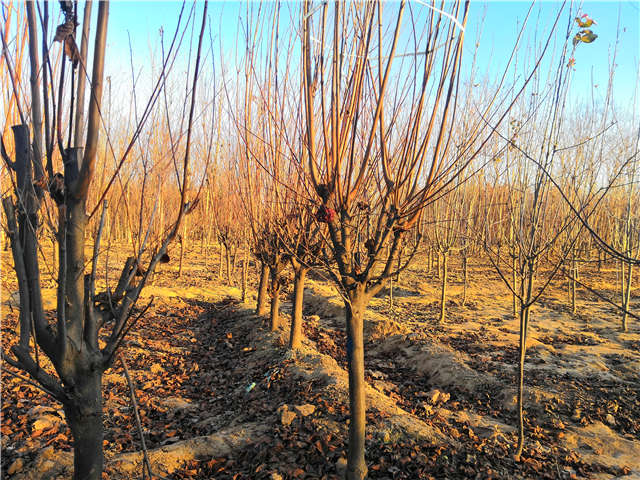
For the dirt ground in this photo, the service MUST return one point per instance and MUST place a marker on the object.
(221, 397)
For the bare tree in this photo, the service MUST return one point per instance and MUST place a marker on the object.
(82, 317)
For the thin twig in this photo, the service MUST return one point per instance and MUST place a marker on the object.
(134, 403)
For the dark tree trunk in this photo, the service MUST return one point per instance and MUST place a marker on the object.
(356, 466)
(261, 308)
(295, 339)
(84, 415)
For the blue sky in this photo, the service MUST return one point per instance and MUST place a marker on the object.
(618, 26)
(617, 21)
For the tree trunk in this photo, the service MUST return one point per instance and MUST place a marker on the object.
(599, 261)
(465, 278)
(524, 315)
(245, 272)
(356, 466)
(227, 254)
(295, 339)
(274, 290)
(514, 281)
(85, 421)
(525, 307)
(574, 274)
(234, 259)
(627, 297)
(443, 288)
(261, 308)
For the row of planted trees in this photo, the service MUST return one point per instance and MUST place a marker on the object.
(346, 145)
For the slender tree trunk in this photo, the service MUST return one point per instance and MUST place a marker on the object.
(465, 274)
(599, 261)
(524, 314)
(443, 287)
(525, 307)
(245, 272)
(220, 261)
(574, 274)
(356, 466)
(261, 308)
(627, 297)
(228, 262)
(85, 422)
(295, 339)
(514, 267)
(54, 254)
(514, 280)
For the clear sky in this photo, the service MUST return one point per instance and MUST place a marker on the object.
(618, 29)
(618, 26)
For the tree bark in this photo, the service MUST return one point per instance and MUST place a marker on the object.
(84, 415)
(295, 339)
(356, 466)
(261, 308)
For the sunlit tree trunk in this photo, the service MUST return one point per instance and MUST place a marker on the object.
(355, 308)
(300, 274)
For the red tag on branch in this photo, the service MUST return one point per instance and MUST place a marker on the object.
(325, 214)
